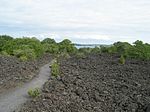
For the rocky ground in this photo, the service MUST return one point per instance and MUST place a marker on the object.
(97, 83)
(14, 73)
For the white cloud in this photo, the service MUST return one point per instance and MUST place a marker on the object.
(109, 20)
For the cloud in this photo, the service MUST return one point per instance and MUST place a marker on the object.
(107, 20)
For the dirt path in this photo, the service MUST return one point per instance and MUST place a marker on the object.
(15, 97)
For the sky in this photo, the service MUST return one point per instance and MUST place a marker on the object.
(81, 21)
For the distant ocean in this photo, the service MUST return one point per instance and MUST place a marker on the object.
(85, 46)
(90, 45)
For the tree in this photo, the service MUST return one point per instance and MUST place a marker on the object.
(140, 50)
(6, 37)
(48, 41)
(51, 48)
(122, 47)
(3, 40)
(25, 45)
(67, 46)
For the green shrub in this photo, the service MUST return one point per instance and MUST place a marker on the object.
(3, 40)
(80, 55)
(4, 53)
(85, 50)
(63, 55)
(48, 41)
(34, 92)
(67, 46)
(52, 62)
(23, 58)
(26, 52)
(122, 59)
(51, 48)
(122, 47)
(104, 49)
(96, 50)
(27, 46)
(55, 69)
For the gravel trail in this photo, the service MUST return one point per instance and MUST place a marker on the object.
(14, 98)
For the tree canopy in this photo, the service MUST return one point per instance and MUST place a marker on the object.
(30, 48)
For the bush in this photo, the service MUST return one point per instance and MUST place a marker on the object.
(34, 92)
(85, 50)
(29, 46)
(67, 46)
(96, 50)
(140, 50)
(4, 53)
(122, 47)
(3, 40)
(48, 41)
(25, 52)
(23, 58)
(122, 59)
(51, 48)
(63, 55)
(80, 55)
(52, 62)
(55, 69)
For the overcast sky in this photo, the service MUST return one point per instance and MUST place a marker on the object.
(82, 21)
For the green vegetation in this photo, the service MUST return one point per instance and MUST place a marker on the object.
(55, 69)
(64, 55)
(82, 52)
(138, 50)
(80, 55)
(34, 92)
(3, 40)
(96, 50)
(85, 50)
(31, 48)
(122, 59)
(67, 46)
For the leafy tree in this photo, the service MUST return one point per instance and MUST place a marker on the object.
(65, 42)
(48, 41)
(138, 43)
(28, 47)
(137, 50)
(112, 49)
(104, 49)
(6, 37)
(85, 50)
(67, 46)
(122, 47)
(3, 40)
(51, 48)
(25, 52)
(96, 50)
(140, 50)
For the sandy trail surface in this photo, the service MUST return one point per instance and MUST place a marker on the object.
(14, 98)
